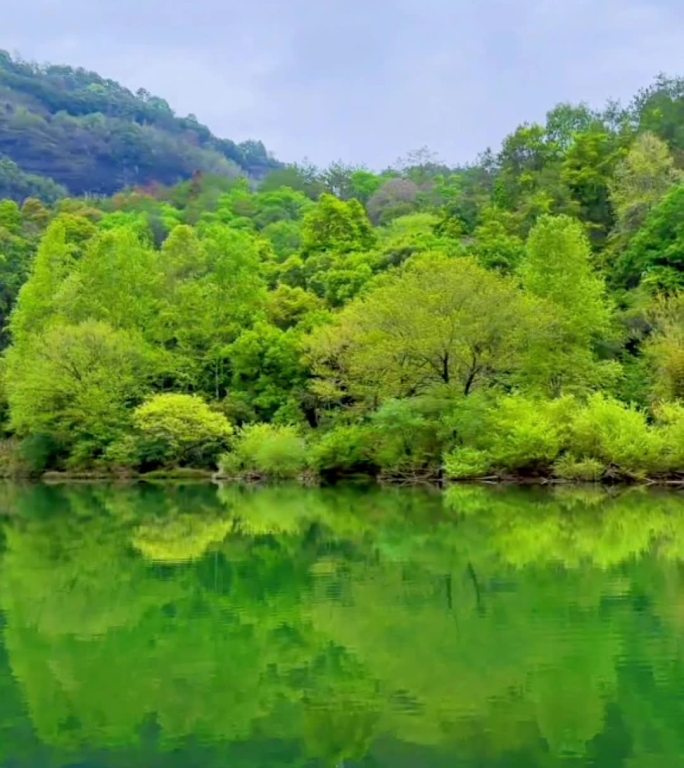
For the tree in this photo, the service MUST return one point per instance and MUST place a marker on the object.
(337, 226)
(281, 205)
(497, 246)
(641, 180)
(75, 384)
(213, 289)
(337, 178)
(655, 255)
(10, 217)
(363, 184)
(338, 277)
(659, 109)
(35, 216)
(287, 306)
(15, 259)
(664, 350)
(587, 169)
(396, 197)
(302, 177)
(180, 429)
(557, 269)
(19, 185)
(117, 280)
(266, 372)
(564, 121)
(440, 321)
(524, 154)
(461, 194)
(39, 297)
(413, 234)
(285, 238)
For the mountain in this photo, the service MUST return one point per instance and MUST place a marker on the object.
(69, 129)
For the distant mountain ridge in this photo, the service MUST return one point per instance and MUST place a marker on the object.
(68, 129)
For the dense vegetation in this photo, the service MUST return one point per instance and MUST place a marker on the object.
(520, 316)
(68, 128)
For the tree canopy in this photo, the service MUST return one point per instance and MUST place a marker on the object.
(389, 320)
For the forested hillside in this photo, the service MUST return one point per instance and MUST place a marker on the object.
(79, 132)
(522, 316)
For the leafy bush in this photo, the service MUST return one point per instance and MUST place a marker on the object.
(36, 452)
(230, 465)
(528, 435)
(409, 436)
(567, 467)
(670, 425)
(618, 436)
(267, 450)
(180, 429)
(12, 462)
(603, 438)
(467, 463)
(123, 454)
(342, 450)
(471, 419)
(510, 434)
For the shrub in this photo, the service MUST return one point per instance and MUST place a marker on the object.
(37, 452)
(180, 429)
(123, 453)
(343, 450)
(12, 462)
(510, 434)
(467, 463)
(568, 467)
(528, 435)
(670, 425)
(408, 437)
(617, 436)
(230, 465)
(267, 450)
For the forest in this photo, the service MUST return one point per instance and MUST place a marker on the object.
(519, 317)
(70, 131)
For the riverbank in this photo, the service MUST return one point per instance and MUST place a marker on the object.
(187, 474)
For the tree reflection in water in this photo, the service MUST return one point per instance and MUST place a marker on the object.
(351, 626)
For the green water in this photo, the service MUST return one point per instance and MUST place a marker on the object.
(195, 626)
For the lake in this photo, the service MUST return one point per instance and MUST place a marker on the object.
(190, 625)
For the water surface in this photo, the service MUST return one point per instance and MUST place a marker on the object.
(193, 626)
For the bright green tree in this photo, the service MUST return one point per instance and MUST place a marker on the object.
(75, 384)
(266, 372)
(587, 171)
(337, 226)
(213, 289)
(557, 268)
(179, 429)
(497, 245)
(39, 298)
(440, 321)
(117, 280)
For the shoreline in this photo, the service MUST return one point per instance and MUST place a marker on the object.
(207, 476)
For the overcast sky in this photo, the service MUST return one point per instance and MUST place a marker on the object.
(364, 81)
